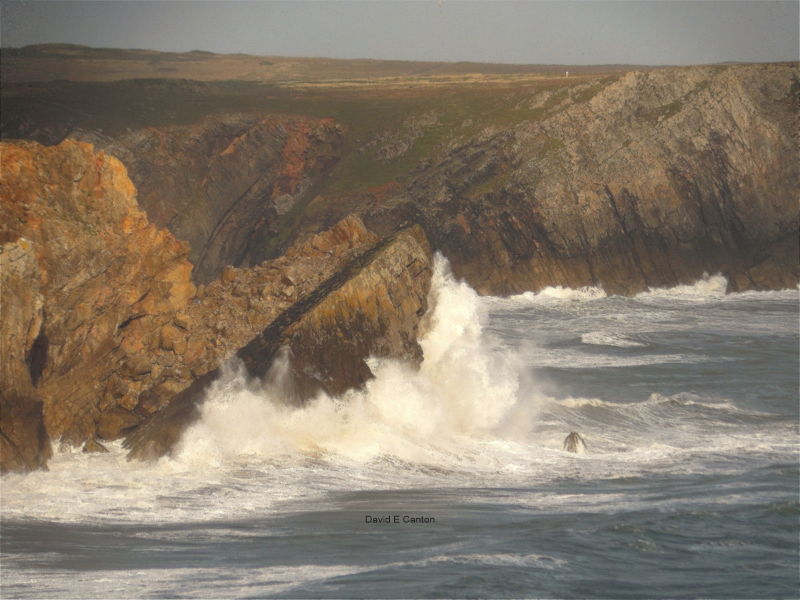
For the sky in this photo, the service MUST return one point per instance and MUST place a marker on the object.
(525, 31)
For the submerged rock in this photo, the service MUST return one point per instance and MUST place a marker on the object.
(574, 443)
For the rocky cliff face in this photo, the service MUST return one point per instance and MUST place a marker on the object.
(227, 184)
(626, 181)
(649, 180)
(107, 280)
(371, 307)
(102, 324)
(24, 443)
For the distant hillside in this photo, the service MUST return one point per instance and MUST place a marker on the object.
(50, 62)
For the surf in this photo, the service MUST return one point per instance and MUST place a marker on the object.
(488, 406)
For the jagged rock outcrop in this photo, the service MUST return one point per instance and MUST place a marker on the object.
(228, 183)
(371, 307)
(649, 180)
(102, 325)
(24, 443)
(627, 181)
(106, 277)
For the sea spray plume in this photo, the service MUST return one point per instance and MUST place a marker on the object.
(462, 394)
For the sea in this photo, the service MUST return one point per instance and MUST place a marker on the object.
(452, 480)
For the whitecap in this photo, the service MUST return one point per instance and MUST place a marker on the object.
(604, 338)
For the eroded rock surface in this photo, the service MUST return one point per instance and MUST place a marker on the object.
(629, 181)
(227, 183)
(108, 281)
(24, 443)
(371, 307)
(649, 180)
(102, 325)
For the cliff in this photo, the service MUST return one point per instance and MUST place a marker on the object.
(649, 180)
(627, 181)
(370, 308)
(102, 325)
(622, 179)
(211, 181)
(24, 443)
(107, 281)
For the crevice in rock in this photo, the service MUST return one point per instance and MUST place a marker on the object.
(36, 357)
(130, 320)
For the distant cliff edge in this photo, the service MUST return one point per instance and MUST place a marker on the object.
(624, 180)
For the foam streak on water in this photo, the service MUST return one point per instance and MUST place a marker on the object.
(687, 399)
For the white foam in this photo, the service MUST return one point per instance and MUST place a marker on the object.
(465, 418)
(461, 391)
(708, 287)
(604, 338)
(539, 561)
(581, 402)
(573, 359)
(556, 294)
(227, 582)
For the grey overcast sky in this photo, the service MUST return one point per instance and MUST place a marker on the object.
(532, 31)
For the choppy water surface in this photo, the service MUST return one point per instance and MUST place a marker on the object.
(687, 399)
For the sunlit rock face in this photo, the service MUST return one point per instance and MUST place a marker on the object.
(106, 280)
(372, 307)
(103, 326)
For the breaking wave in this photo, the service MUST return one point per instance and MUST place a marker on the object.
(476, 412)
(707, 288)
(461, 391)
(602, 338)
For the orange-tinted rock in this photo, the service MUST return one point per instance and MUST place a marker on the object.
(115, 422)
(375, 312)
(106, 280)
(371, 306)
(24, 443)
(101, 323)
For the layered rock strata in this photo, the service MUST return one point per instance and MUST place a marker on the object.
(227, 184)
(649, 180)
(633, 181)
(102, 324)
(370, 308)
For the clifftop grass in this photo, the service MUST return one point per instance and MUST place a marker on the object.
(462, 110)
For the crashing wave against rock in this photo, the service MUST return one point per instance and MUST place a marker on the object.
(103, 327)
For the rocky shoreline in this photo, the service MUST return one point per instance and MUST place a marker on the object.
(112, 326)
(102, 326)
